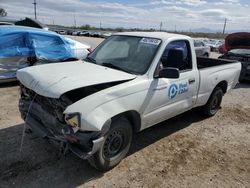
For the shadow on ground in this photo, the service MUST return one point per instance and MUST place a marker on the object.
(41, 165)
(245, 84)
(9, 84)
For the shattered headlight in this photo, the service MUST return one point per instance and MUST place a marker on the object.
(73, 120)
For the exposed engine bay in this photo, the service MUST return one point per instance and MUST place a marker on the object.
(45, 116)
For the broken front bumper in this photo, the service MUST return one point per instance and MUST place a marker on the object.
(83, 144)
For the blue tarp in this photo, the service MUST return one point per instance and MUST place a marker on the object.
(30, 42)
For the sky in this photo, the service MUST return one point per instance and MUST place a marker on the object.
(182, 15)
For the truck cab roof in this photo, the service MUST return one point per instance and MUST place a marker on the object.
(158, 35)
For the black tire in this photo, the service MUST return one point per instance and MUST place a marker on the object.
(213, 104)
(115, 147)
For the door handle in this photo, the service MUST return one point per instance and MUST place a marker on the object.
(191, 80)
(160, 88)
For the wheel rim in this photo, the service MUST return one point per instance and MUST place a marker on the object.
(113, 145)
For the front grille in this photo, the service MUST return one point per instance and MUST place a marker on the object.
(52, 106)
(47, 104)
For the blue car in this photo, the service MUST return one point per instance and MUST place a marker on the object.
(24, 46)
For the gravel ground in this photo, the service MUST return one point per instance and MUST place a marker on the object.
(186, 151)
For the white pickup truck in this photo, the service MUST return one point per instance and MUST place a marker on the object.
(131, 81)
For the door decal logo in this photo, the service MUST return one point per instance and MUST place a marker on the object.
(173, 90)
(177, 89)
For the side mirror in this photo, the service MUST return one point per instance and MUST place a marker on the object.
(169, 73)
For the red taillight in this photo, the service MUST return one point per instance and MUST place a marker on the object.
(90, 50)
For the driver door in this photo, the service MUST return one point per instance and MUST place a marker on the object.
(172, 96)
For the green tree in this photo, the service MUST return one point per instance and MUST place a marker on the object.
(3, 12)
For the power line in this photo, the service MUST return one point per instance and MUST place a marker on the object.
(35, 7)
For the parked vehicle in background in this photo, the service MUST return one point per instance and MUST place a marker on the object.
(30, 22)
(69, 32)
(25, 46)
(81, 50)
(62, 32)
(75, 33)
(201, 49)
(94, 106)
(84, 33)
(96, 34)
(106, 35)
(238, 47)
(214, 45)
(222, 49)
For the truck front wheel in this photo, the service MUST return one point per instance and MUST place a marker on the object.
(115, 147)
(213, 103)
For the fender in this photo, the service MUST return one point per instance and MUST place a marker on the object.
(109, 103)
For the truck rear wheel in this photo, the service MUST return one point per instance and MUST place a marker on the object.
(115, 147)
(213, 103)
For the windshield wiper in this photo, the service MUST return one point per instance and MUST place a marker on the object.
(110, 65)
(90, 59)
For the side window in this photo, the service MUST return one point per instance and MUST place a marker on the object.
(172, 54)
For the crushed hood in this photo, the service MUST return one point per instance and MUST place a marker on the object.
(53, 80)
(238, 41)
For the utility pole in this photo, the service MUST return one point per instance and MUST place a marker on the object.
(160, 26)
(75, 19)
(35, 7)
(224, 28)
(100, 25)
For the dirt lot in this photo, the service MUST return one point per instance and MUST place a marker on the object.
(187, 151)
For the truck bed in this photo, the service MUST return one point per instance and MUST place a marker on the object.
(209, 62)
(214, 71)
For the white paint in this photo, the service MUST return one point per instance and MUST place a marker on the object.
(80, 49)
(146, 95)
(52, 80)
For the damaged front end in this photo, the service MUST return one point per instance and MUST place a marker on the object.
(45, 117)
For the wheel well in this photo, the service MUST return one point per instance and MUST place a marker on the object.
(133, 117)
(223, 86)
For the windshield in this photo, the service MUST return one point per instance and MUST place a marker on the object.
(127, 53)
(240, 51)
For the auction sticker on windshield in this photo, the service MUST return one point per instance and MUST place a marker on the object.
(150, 41)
